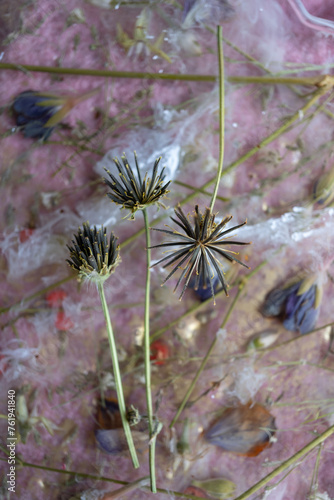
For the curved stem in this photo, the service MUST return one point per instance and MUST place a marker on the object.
(221, 114)
(147, 355)
(117, 376)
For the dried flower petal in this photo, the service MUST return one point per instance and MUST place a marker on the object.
(245, 430)
(198, 247)
(159, 352)
(110, 435)
(323, 189)
(297, 305)
(37, 113)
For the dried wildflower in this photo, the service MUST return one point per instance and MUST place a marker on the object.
(262, 340)
(203, 291)
(141, 41)
(132, 191)
(110, 435)
(296, 304)
(246, 430)
(37, 113)
(323, 188)
(198, 248)
(216, 488)
(92, 256)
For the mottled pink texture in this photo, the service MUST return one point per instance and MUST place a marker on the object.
(53, 188)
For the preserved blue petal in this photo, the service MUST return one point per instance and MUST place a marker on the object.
(31, 117)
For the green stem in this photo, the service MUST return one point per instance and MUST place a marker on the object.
(37, 294)
(147, 355)
(297, 456)
(117, 376)
(106, 73)
(221, 114)
(267, 140)
(95, 477)
(208, 354)
(303, 80)
(204, 362)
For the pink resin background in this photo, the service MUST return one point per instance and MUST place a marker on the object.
(53, 188)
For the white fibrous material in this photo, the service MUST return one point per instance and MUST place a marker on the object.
(45, 246)
(99, 211)
(148, 147)
(275, 493)
(178, 131)
(17, 359)
(316, 233)
(246, 384)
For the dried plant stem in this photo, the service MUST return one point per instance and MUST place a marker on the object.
(207, 356)
(35, 295)
(204, 362)
(106, 73)
(267, 140)
(124, 490)
(117, 376)
(147, 355)
(95, 477)
(221, 114)
(297, 456)
(319, 81)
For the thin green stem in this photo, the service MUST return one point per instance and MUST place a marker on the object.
(297, 456)
(208, 354)
(204, 362)
(267, 140)
(106, 73)
(117, 376)
(162, 76)
(221, 114)
(147, 355)
(22, 463)
(37, 294)
(303, 80)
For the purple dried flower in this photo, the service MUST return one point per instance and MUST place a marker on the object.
(297, 304)
(37, 113)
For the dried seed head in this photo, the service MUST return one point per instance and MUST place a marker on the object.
(92, 256)
(133, 192)
(198, 248)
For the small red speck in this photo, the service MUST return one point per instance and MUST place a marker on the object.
(25, 234)
(197, 492)
(159, 352)
(55, 298)
(63, 322)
